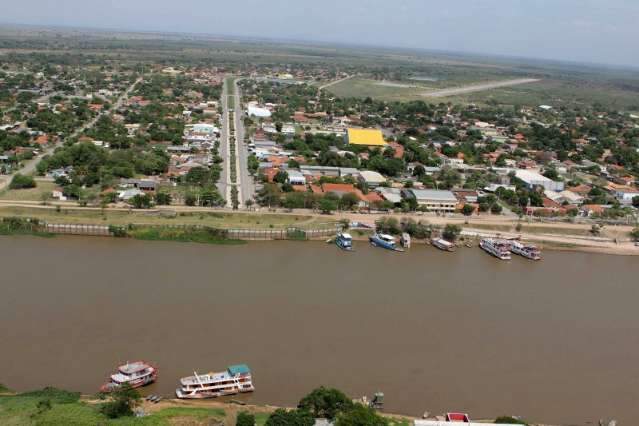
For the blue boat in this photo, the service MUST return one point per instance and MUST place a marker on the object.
(344, 241)
(384, 241)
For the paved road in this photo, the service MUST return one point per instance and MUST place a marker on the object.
(30, 166)
(453, 91)
(245, 180)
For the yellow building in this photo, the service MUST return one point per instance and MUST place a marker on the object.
(365, 137)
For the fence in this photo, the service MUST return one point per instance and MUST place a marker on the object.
(232, 234)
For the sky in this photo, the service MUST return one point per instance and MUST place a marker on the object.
(594, 31)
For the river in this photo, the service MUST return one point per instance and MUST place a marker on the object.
(554, 341)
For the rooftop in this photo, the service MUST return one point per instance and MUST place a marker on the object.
(368, 137)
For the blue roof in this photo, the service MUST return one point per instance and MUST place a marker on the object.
(239, 369)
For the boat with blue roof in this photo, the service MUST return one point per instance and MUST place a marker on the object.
(384, 241)
(344, 241)
(235, 379)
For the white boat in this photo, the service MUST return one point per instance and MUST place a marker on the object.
(442, 244)
(135, 374)
(236, 379)
(498, 248)
(528, 251)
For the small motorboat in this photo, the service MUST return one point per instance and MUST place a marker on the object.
(384, 241)
(344, 241)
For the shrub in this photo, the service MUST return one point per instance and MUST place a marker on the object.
(55, 395)
(123, 401)
(22, 182)
(245, 419)
(325, 403)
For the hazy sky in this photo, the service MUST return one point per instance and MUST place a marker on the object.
(601, 31)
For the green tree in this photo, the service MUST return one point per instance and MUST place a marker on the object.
(325, 403)
(141, 201)
(245, 419)
(635, 233)
(496, 209)
(281, 417)
(22, 182)
(451, 232)
(281, 177)
(163, 198)
(635, 201)
(327, 205)
(360, 415)
(467, 210)
(510, 420)
(123, 400)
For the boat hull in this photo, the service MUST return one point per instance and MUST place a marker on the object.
(377, 242)
(493, 253)
(209, 395)
(138, 383)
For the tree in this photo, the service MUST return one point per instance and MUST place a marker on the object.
(281, 177)
(451, 232)
(467, 210)
(635, 201)
(510, 420)
(496, 209)
(360, 415)
(249, 203)
(348, 201)
(635, 234)
(325, 403)
(327, 205)
(282, 417)
(22, 182)
(245, 419)
(141, 201)
(163, 199)
(123, 401)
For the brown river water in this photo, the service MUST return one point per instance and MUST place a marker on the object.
(554, 341)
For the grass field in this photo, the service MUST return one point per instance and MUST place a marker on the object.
(213, 219)
(32, 194)
(56, 407)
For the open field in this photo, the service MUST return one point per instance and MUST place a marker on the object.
(32, 194)
(153, 217)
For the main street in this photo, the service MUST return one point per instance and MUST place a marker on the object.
(29, 166)
(245, 180)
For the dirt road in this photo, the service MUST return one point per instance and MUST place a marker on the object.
(453, 91)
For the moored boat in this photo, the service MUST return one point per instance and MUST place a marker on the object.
(442, 244)
(344, 241)
(236, 379)
(498, 248)
(528, 251)
(384, 241)
(135, 374)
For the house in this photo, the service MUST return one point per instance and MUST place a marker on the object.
(296, 177)
(254, 110)
(625, 194)
(365, 137)
(371, 179)
(128, 194)
(58, 194)
(433, 200)
(393, 195)
(146, 185)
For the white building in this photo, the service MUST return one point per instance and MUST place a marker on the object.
(532, 179)
(255, 111)
(626, 194)
(433, 200)
(296, 177)
(371, 179)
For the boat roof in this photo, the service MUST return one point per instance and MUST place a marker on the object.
(206, 378)
(239, 369)
(346, 235)
(386, 237)
(133, 367)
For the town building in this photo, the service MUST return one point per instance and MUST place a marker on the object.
(433, 200)
(365, 137)
(532, 179)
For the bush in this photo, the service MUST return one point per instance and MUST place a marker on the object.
(360, 415)
(325, 403)
(123, 401)
(283, 417)
(387, 225)
(22, 182)
(451, 232)
(55, 395)
(245, 419)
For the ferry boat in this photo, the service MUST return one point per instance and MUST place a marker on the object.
(442, 244)
(236, 379)
(135, 374)
(528, 251)
(344, 241)
(384, 241)
(498, 248)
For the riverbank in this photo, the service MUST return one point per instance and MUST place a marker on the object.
(53, 406)
(275, 225)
